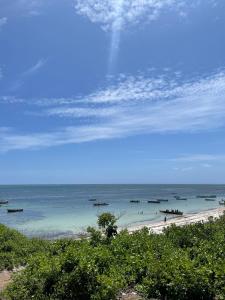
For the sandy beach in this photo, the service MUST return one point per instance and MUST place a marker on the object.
(157, 227)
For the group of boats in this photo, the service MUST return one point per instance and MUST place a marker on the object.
(10, 210)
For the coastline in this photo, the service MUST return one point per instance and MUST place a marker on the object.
(157, 227)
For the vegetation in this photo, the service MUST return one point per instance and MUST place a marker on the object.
(182, 263)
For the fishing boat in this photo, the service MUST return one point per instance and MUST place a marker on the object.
(162, 200)
(134, 201)
(222, 202)
(14, 210)
(172, 212)
(206, 196)
(154, 201)
(101, 204)
(183, 199)
(209, 199)
(92, 199)
(3, 202)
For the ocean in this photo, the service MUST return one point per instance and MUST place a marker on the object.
(64, 210)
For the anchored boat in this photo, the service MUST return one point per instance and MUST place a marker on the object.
(101, 204)
(14, 210)
(92, 199)
(3, 202)
(154, 201)
(134, 201)
(162, 200)
(209, 199)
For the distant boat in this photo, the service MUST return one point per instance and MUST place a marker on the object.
(3, 202)
(134, 201)
(181, 198)
(162, 200)
(92, 199)
(154, 201)
(222, 202)
(209, 199)
(172, 212)
(206, 196)
(100, 204)
(14, 210)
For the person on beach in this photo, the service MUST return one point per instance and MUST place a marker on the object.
(165, 219)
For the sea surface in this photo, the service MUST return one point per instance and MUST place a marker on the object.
(63, 210)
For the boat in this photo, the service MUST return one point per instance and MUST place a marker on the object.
(209, 199)
(162, 200)
(181, 198)
(154, 201)
(14, 210)
(172, 212)
(222, 202)
(100, 204)
(134, 201)
(3, 202)
(92, 199)
(206, 196)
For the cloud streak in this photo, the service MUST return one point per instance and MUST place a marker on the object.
(133, 106)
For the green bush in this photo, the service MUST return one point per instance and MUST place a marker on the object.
(183, 263)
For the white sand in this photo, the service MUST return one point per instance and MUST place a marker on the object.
(203, 216)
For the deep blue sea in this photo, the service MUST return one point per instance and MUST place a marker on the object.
(61, 210)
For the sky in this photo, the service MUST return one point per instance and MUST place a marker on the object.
(112, 91)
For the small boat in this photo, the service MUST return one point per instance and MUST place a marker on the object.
(209, 199)
(92, 199)
(101, 204)
(3, 202)
(206, 196)
(154, 201)
(172, 212)
(14, 210)
(222, 202)
(181, 198)
(134, 201)
(162, 200)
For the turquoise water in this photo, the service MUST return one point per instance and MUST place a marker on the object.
(55, 210)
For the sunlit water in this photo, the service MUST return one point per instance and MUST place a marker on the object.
(60, 210)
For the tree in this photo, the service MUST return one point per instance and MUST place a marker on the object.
(106, 222)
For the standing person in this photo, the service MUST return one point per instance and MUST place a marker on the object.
(165, 219)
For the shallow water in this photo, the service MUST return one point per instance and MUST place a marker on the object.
(52, 210)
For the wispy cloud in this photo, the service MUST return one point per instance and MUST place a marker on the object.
(133, 106)
(28, 73)
(3, 21)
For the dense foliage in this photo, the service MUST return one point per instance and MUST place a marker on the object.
(16, 249)
(182, 263)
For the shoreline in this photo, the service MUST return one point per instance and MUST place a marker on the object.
(191, 218)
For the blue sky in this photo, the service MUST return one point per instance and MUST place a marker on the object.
(112, 91)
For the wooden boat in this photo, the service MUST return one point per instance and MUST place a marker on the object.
(92, 199)
(154, 201)
(206, 196)
(222, 202)
(100, 204)
(172, 212)
(3, 202)
(181, 198)
(134, 201)
(209, 199)
(162, 200)
(14, 210)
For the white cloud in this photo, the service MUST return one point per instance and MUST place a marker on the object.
(132, 107)
(35, 68)
(3, 22)
(28, 73)
(120, 13)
